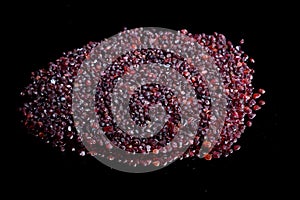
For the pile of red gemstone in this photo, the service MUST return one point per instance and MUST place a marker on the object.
(48, 101)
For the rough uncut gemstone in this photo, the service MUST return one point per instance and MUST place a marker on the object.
(256, 107)
(208, 157)
(261, 102)
(236, 147)
(262, 91)
(249, 123)
(251, 116)
(256, 95)
(48, 113)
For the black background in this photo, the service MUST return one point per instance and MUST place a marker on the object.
(45, 30)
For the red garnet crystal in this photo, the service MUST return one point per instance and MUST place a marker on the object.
(48, 112)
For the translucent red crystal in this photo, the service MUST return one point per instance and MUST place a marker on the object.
(48, 112)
